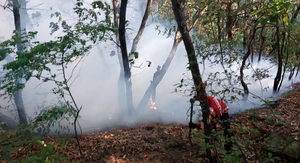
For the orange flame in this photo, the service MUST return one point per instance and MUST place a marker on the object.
(153, 105)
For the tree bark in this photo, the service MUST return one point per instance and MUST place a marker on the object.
(141, 30)
(18, 95)
(295, 14)
(284, 45)
(284, 69)
(245, 31)
(292, 72)
(127, 72)
(279, 55)
(193, 65)
(121, 82)
(159, 74)
(229, 22)
(246, 56)
(262, 43)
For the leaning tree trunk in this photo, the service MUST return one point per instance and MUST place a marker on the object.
(193, 65)
(121, 83)
(246, 56)
(279, 68)
(127, 72)
(159, 74)
(127, 60)
(262, 42)
(141, 30)
(292, 72)
(18, 95)
(283, 48)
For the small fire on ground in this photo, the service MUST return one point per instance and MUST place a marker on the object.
(153, 105)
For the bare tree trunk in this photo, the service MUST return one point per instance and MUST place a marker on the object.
(295, 14)
(229, 22)
(292, 72)
(292, 21)
(18, 96)
(245, 32)
(262, 43)
(159, 74)
(121, 82)
(125, 59)
(279, 69)
(141, 30)
(284, 70)
(193, 65)
(283, 48)
(245, 87)
(127, 72)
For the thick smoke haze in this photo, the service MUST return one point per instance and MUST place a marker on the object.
(96, 77)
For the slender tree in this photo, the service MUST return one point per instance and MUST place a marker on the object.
(123, 46)
(246, 56)
(18, 95)
(128, 59)
(193, 65)
(121, 83)
(161, 71)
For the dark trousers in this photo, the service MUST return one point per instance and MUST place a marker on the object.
(226, 126)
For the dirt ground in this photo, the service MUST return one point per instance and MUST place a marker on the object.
(168, 143)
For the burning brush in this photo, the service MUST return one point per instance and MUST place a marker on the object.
(153, 104)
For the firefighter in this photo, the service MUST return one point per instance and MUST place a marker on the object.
(219, 111)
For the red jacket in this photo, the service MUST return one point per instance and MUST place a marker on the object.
(216, 106)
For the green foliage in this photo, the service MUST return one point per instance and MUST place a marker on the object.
(274, 121)
(37, 60)
(270, 158)
(47, 154)
(234, 157)
(272, 12)
(12, 142)
(135, 54)
(53, 117)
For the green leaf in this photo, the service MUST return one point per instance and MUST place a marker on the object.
(98, 4)
(264, 22)
(286, 5)
(285, 19)
(270, 155)
(3, 53)
(3, 126)
(5, 152)
(273, 18)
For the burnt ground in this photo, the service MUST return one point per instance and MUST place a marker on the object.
(168, 143)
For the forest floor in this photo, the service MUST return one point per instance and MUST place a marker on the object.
(260, 135)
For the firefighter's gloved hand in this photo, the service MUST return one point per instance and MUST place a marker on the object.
(192, 125)
(198, 125)
(195, 125)
(196, 98)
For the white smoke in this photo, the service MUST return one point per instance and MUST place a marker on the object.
(95, 88)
